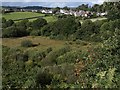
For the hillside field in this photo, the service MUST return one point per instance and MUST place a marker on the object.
(20, 15)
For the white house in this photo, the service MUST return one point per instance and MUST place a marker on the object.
(46, 11)
(34, 10)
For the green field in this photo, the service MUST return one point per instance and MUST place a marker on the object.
(19, 15)
(95, 19)
(48, 18)
(99, 18)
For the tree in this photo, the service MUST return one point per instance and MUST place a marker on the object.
(113, 14)
(66, 8)
(14, 32)
(10, 32)
(57, 9)
(113, 10)
(46, 30)
(9, 23)
(96, 8)
(3, 20)
(83, 7)
(108, 28)
(87, 29)
(62, 27)
(37, 24)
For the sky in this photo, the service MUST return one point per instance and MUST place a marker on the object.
(46, 4)
(50, 3)
(93, 1)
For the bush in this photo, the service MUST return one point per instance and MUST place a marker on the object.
(49, 50)
(43, 78)
(38, 55)
(35, 33)
(51, 57)
(83, 43)
(38, 23)
(78, 41)
(69, 57)
(26, 43)
(13, 31)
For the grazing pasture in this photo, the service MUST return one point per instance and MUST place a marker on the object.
(20, 15)
(99, 18)
(31, 15)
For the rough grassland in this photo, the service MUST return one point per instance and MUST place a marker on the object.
(41, 42)
(44, 42)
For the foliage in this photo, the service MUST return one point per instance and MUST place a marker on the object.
(86, 31)
(108, 28)
(51, 57)
(55, 10)
(3, 20)
(38, 23)
(35, 33)
(26, 43)
(16, 30)
(114, 12)
(10, 32)
(43, 78)
(69, 57)
(79, 65)
(62, 27)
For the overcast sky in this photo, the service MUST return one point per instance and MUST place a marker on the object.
(50, 3)
(93, 1)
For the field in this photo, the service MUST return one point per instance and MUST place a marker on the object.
(20, 15)
(48, 18)
(45, 42)
(95, 19)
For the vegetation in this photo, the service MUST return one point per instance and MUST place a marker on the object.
(26, 43)
(20, 15)
(62, 54)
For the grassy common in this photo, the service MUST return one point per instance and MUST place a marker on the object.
(44, 42)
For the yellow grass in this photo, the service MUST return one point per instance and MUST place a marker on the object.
(42, 43)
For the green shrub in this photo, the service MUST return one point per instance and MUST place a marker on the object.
(43, 78)
(69, 57)
(26, 43)
(35, 33)
(49, 50)
(78, 41)
(51, 57)
(38, 55)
